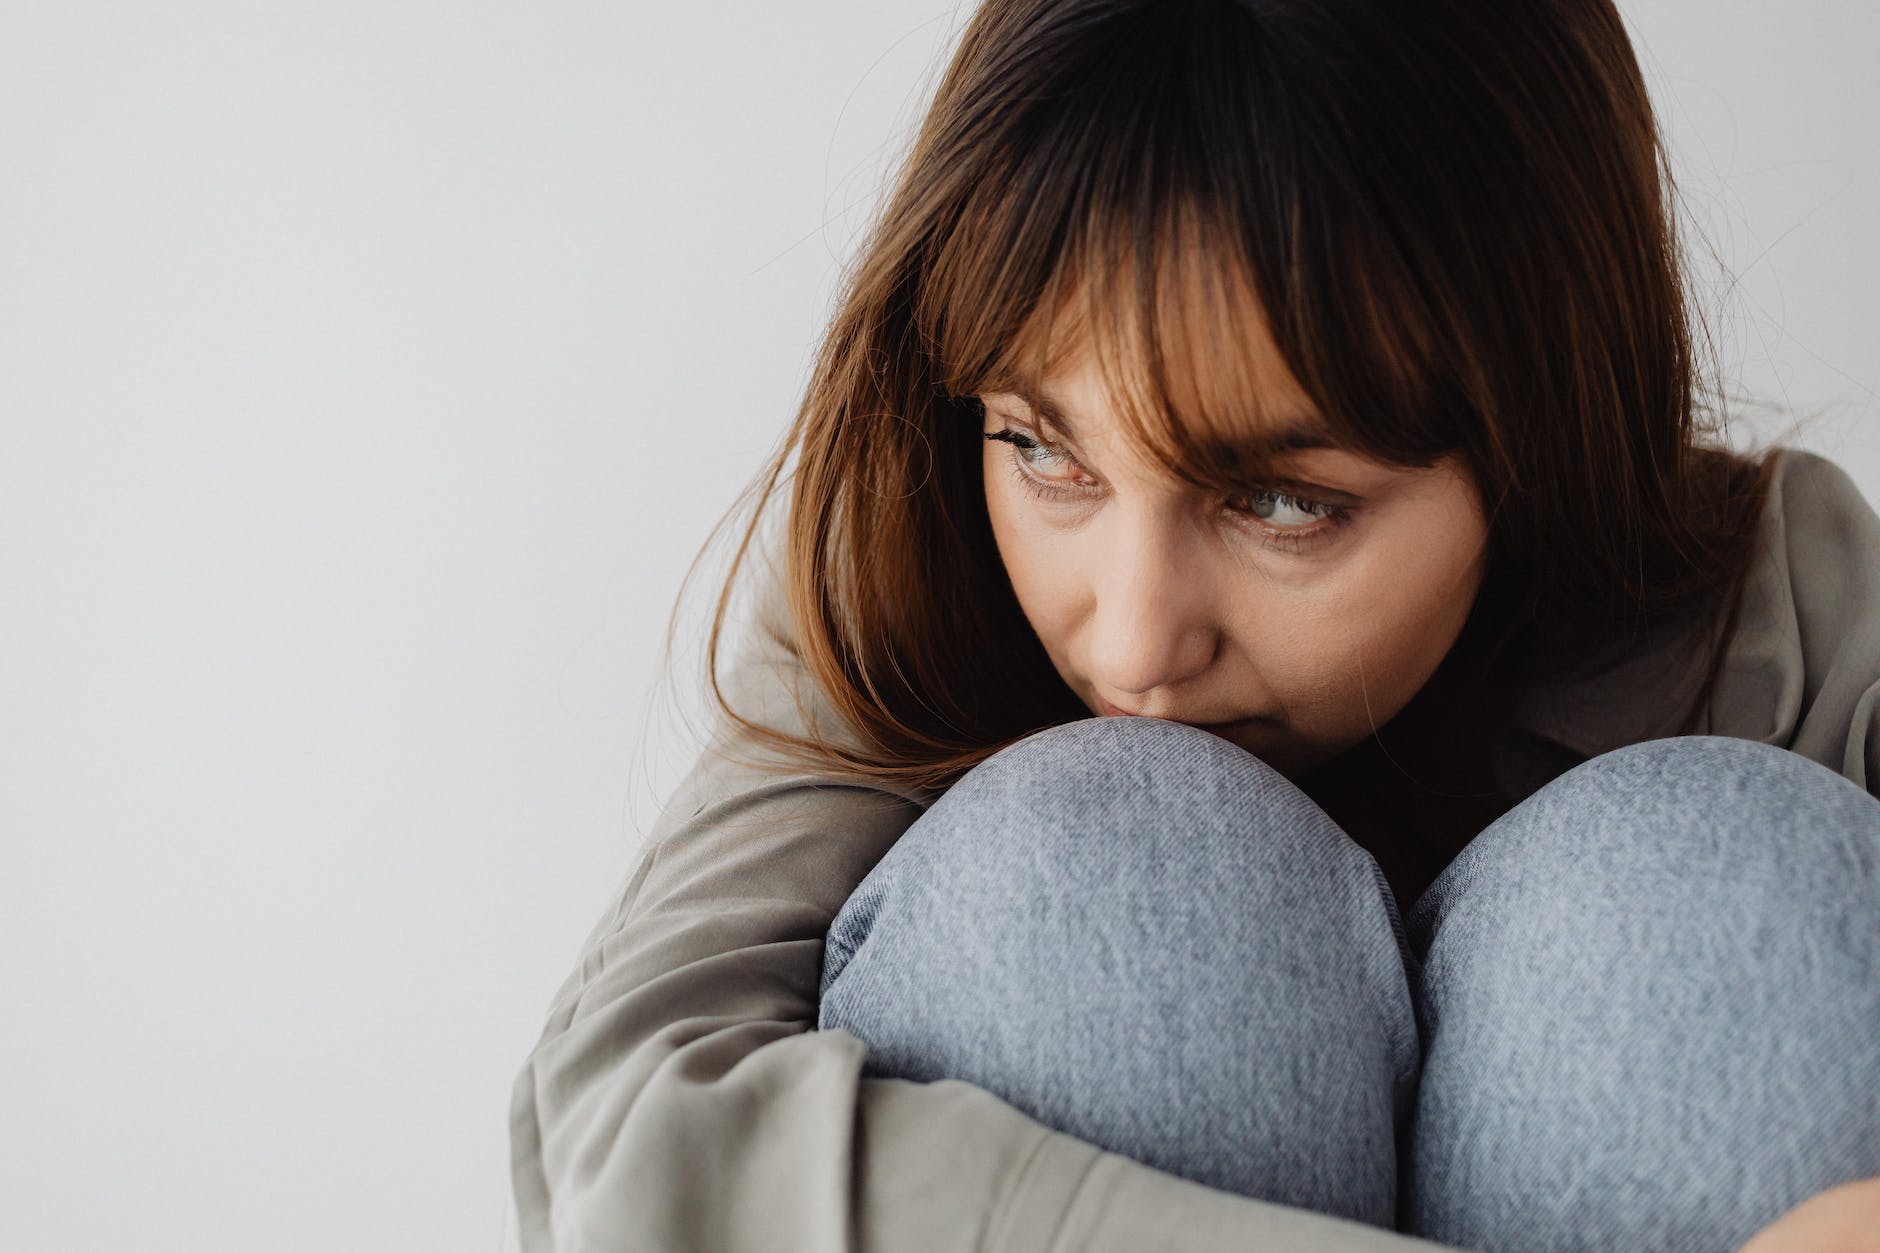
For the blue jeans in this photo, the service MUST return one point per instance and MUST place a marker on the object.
(1640, 1010)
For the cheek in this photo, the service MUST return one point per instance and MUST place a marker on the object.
(1034, 560)
(1404, 610)
(1380, 628)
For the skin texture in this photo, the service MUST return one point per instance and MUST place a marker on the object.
(1157, 598)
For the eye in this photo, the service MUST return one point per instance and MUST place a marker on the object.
(1253, 510)
(1035, 453)
(1032, 456)
(1265, 504)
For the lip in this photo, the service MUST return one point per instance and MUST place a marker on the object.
(1219, 728)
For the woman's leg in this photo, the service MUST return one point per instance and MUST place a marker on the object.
(1148, 938)
(1650, 1004)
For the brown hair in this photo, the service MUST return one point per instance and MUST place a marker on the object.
(1455, 220)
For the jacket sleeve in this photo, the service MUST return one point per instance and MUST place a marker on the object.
(1812, 650)
(1853, 679)
(680, 1097)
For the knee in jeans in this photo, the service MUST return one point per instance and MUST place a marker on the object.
(1094, 805)
(1132, 858)
(1694, 800)
(1113, 816)
(1677, 828)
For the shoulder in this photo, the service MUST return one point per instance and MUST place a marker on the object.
(1803, 667)
(1815, 577)
(1815, 497)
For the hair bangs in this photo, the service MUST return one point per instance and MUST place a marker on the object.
(1135, 231)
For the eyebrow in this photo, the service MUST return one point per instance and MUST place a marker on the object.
(1298, 433)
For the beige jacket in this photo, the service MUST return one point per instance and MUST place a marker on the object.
(680, 1097)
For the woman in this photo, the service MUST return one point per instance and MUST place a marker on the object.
(1320, 370)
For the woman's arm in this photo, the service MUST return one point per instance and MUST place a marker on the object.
(679, 1097)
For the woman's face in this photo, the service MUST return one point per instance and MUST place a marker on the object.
(1316, 607)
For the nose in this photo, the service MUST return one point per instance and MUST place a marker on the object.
(1153, 624)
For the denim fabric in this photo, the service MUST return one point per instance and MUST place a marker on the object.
(1640, 1010)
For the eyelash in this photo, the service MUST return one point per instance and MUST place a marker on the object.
(1291, 539)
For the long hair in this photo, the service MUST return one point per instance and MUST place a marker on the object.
(1455, 219)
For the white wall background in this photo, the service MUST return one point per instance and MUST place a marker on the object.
(371, 371)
